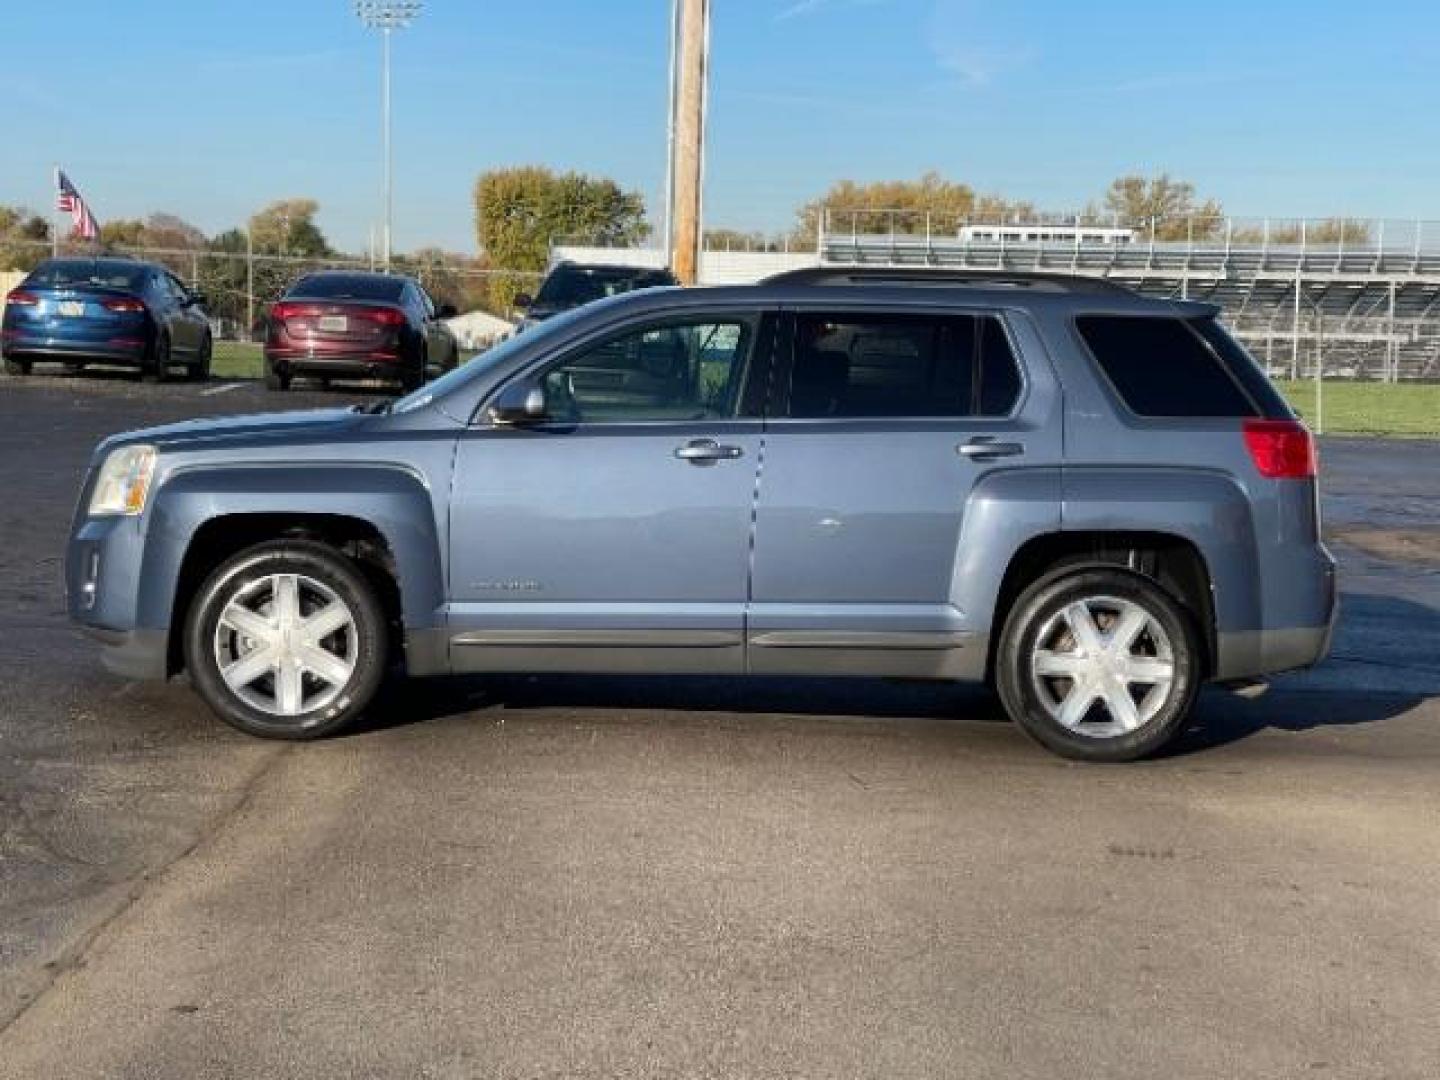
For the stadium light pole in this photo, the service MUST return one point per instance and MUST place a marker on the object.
(387, 16)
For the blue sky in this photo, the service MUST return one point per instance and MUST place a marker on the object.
(210, 108)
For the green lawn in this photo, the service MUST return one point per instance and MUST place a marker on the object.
(237, 360)
(1366, 408)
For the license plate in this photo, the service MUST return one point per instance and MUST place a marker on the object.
(333, 324)
(71, 309)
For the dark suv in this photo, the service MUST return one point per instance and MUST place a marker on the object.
(569, 285)
(1091, 500)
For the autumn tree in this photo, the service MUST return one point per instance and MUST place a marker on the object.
(1332, 231)
(1162, 204)
(287, 227)
(901, 206)
(520, 211)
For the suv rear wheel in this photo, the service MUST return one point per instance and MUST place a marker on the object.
(1098, 665)
(286, 641)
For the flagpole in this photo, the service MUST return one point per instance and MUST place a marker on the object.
(55, 215)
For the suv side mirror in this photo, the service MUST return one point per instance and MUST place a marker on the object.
(523, 300)
(198, 299)
(519, 403)
(446, 311)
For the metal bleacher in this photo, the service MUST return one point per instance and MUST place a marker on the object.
(1369, 307)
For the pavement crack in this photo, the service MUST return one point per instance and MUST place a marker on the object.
(135, 889)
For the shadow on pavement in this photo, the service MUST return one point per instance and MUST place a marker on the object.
(1385, 662)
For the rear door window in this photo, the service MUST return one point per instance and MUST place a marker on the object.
(851, 365)
(1160, 367)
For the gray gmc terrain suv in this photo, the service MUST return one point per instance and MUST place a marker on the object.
(1092, 500)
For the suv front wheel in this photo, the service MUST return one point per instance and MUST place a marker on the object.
(1098, 665)
(286, 641)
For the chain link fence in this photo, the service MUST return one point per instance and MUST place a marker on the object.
(240, 286)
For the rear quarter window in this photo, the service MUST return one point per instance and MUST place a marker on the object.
(1161, 367)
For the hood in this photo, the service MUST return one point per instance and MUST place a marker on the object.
(252, 426)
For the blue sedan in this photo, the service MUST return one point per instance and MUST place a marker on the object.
(80, 311)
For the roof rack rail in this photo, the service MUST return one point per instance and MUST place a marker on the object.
(985, 279)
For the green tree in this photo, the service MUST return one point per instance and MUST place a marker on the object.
(1167, 205)
(22, 238)
(223, 279)
(287, 227)
(520, 211)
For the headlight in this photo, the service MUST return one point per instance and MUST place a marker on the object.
(124, 481)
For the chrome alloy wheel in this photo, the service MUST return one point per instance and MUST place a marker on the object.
(286, 645)
(1102, 666)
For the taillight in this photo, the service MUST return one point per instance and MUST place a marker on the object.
(123, 303)
(383, 316)
(21, 298)
(283, 310)
(1281, 449)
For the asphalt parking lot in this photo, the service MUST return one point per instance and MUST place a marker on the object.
(603, 877)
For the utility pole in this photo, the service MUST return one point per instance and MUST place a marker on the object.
(692, 46)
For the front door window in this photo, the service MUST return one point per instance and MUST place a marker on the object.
(684, 371)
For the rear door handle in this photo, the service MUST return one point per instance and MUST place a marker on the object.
(983, 447)
(707, 452)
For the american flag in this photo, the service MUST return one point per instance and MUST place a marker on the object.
(68, 201)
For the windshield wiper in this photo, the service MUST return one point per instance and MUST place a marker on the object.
(376, 408)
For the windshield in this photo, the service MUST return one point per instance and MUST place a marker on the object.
(483, 362)
(570, 286)
(87, 273)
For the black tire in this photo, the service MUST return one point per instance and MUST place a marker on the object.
(1035, 701)
(277, 380)
(156, 368)
(200, 366)
(15, 366)
(251, 568)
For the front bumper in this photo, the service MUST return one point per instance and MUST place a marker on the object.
(103, 564)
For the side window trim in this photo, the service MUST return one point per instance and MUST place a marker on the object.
(758, 360)
(783, 366)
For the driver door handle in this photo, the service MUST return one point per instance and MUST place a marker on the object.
(707, 452)
(984, 447)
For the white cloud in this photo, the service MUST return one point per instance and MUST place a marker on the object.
(967, 44)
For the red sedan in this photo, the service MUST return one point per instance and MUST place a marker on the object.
(344, 324)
